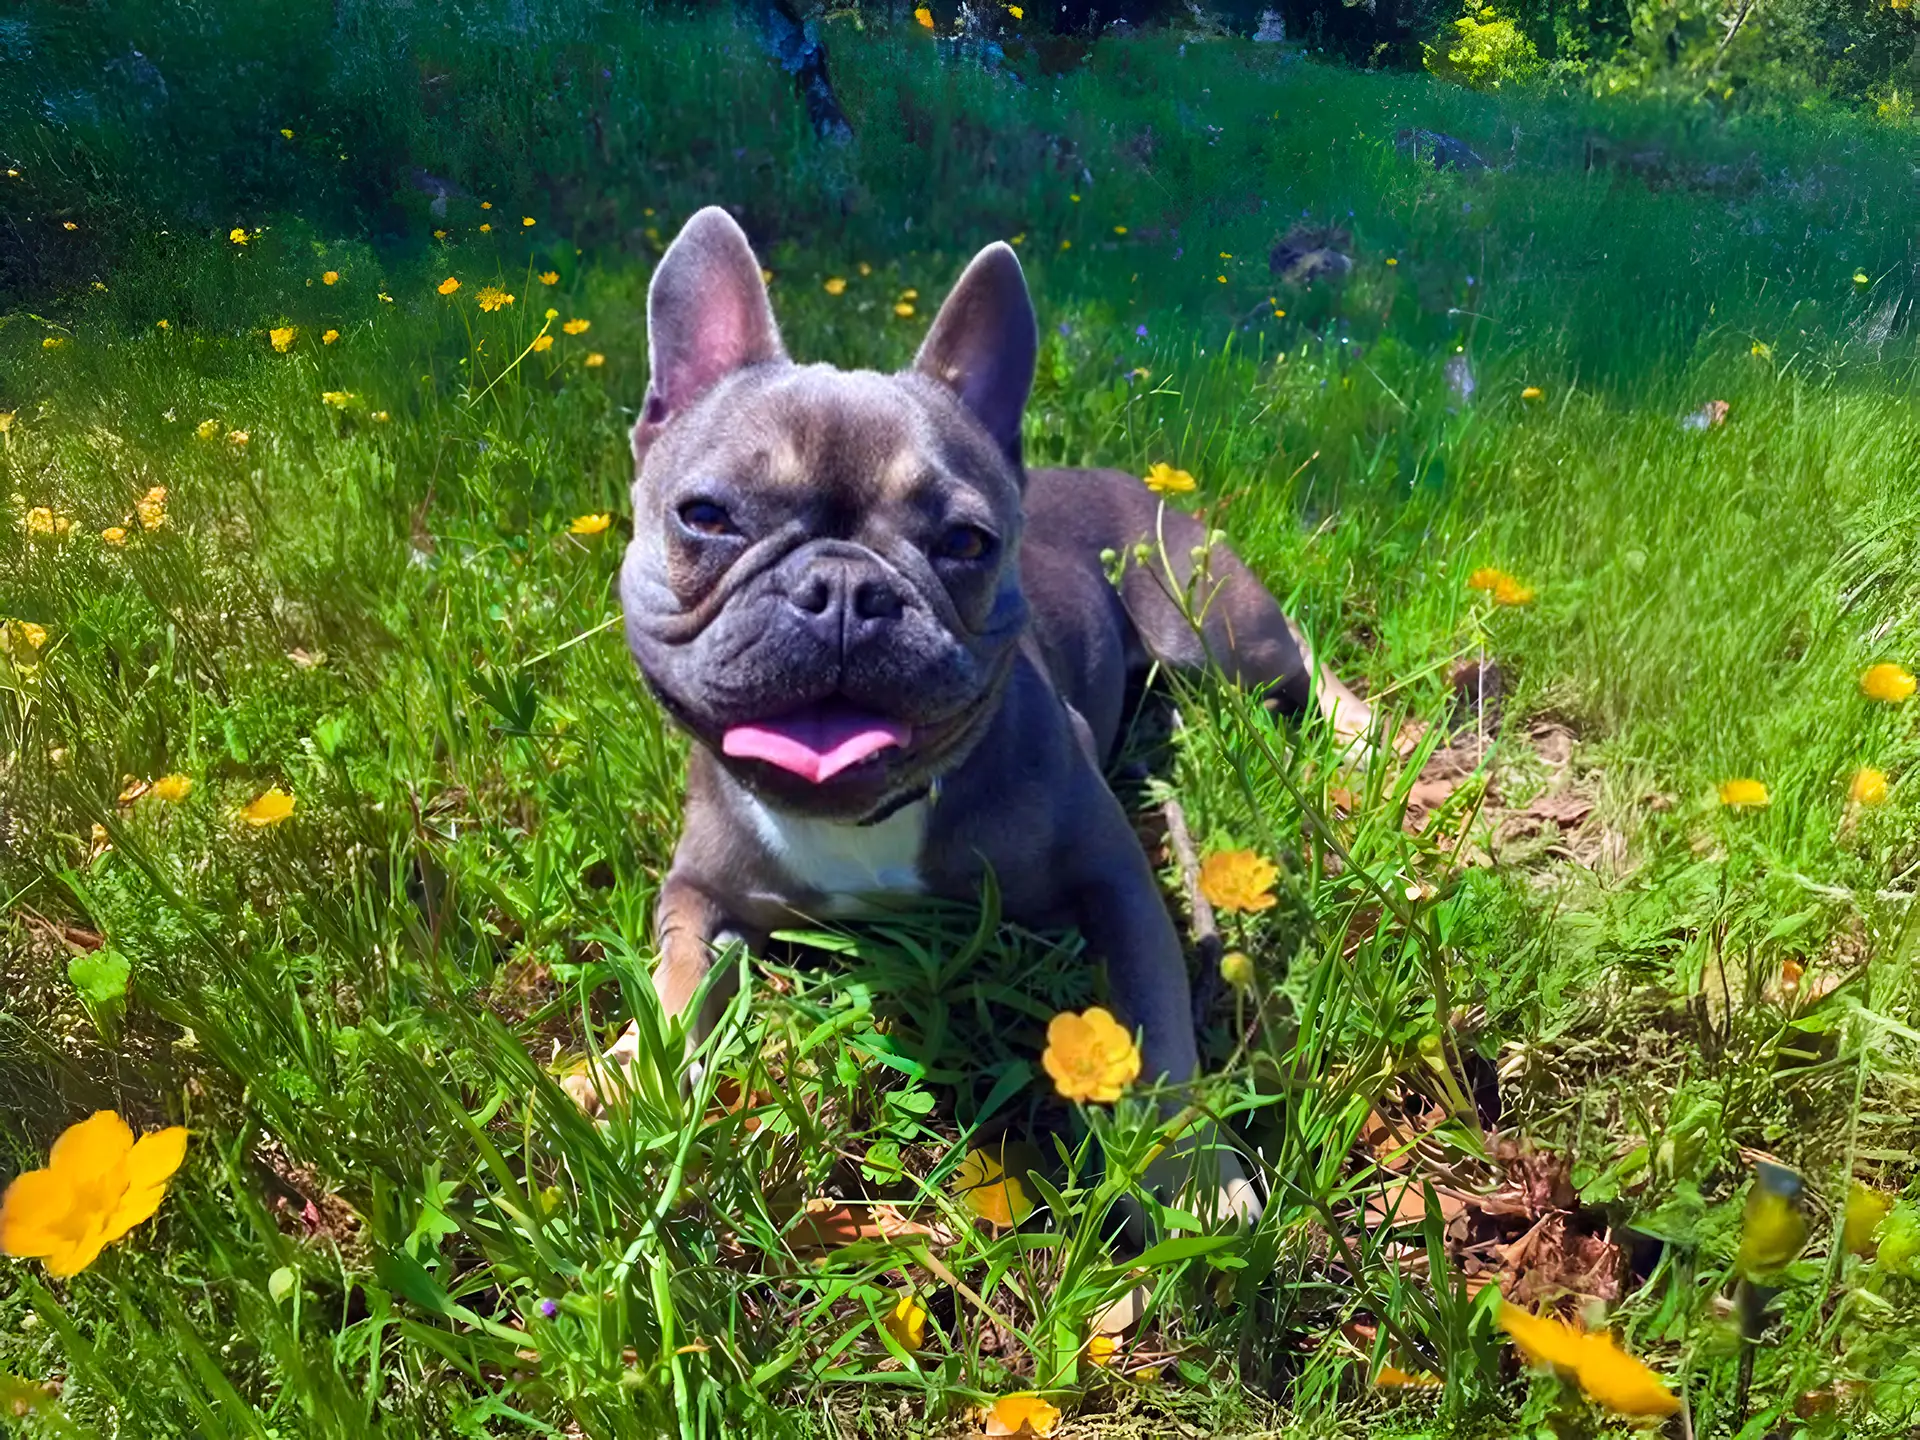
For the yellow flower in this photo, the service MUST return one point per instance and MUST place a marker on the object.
(40, 520)
(287, 133)
(1163, 479)
(172, 788)
(1866, 1208)
(541, 344)
(1119, 229)
(238, 437)
(1392, 261)
(1024, 1413)
(492, 297)
(1511, 592)
(594, 361)
(1762, 349)
(207, 429)
(53, 342)
(237, 235)
(152, 508)
(99, 1183)
(1860, 278)
(282, 337)
(577, 327)
(336, 398)
(589, 524)
(6, 421)
(909, 294)
(903, 309)
(486, 204)
(329, 337)
(486, 229)
(1238, 880)
(864, 268)
(907, 1322)
(1533, 392)
(1869, 787)
(114, 535)
(548, 277)
(1237, 970)
(527, 221)
(448, 285)
(34, 635)
(1607, 1374)
(269, 808)
(835, 285)
(1487, 578)
(1743, 794)
(552, 314)
(1016, 12)
(331, 277)
(380, 417)
(924, 16)
(1089, 1056)
(1887, 682)
(986, 1189)
(1101, 1350)
(1392, 1377)
(162, 325)
(68, 225)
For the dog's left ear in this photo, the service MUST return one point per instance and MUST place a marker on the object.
(983, 344)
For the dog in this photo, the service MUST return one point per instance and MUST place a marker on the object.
(897, 651)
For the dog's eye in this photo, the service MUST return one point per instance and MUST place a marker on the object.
(964, 542)
(703, 517)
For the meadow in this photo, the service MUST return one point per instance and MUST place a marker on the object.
(332, 809)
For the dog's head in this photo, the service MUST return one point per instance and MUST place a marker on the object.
(823, 584)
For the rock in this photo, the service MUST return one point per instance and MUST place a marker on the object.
(1311, 252)
(1443, 151)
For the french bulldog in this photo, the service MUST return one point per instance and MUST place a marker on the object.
(897, 651)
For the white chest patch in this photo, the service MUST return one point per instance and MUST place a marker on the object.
(843, 862)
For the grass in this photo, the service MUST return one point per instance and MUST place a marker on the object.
(378, 606)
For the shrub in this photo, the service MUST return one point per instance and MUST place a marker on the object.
(1484, 50)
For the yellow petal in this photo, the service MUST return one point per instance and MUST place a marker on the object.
(36, 1215)
(907, 1323)
(1888, 683)
(1613, 1378)
(268, 809)
(1869, 787)
(1023, 1413)
(1542, 1339)
(73, 1257)
(1741, 794)
(150, 1167)
(87, 1151)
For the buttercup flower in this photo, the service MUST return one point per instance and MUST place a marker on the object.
(907, 1322)
(380, 417)
(1744, 794)
(486, 229)
(1164, 479)
(1533, 392)
(577, 327)
(1607, 1374)
(1236, 969)
(338, 399)
(904, 309)
(238, 437)
(448, 286)
(486, 204)
(527, 221)
(53, 342)
(548, 277)
(1887, 682)
(152, 508)
(1101, 1350)
(1869, 787)
(172, 788)
(114, 535)
(282, 337)
(331, 277)
(492, 298)
(1238, 880)
(1511, 592)
(589, 524)
(286, 133)
(1089, 1056)
(329, 337)
(162, 325)
(68, 225)
(924, 16)
(34, 635)
(269, 808)
(98, 1184)
(594, 361)
(835, 285)
(1024, 1413)
(6, 421)
(207, 429)
(986, 1189)
(541, 344)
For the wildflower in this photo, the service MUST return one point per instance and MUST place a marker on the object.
(53, 342)
(1869, 787)
(1762, 349)
(1866, 1208)
(492, 298)
(1089, 1056)
(549, 1308)
(1860, 278)
(907, 1322)
(68, 225)
(577, 327)
(1533, 392)
(288, 134)
(172, 788)
(486, 229)
(541, 344)
(1119, 229)
(1237, 970)
(448, 285)
(526, 222)
(207, 429)
(548, 277)
(924, 16)
(380, 417)
(1164, 479)
(903, 309)
(439, 234)
(1238, 880)
(6, 421)
(1066, 244)
(336, 398)
(1607, 1374)
(1221, 278)
(237, 235)
(589, 524)
(238, 437)
(269, 808)
(1391, 1377)
(864, 268)
(1016, 12)
(329, 337)
(552, 314)
(486, 204)
(282, 337)
(1101, 1350)
(594, 361)
(40, 520)
(1024, 1413)
(385, 299)
(1511, 592)
(34, 635)
(152, 508)
(986, 1189)
(115, 535)
(1743, 794)
(330, 277)
(1392, 261)
(835, 285)
(98, 1184)
(1887, 682)
(162, 325)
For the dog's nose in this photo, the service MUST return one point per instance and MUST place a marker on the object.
(836, 592)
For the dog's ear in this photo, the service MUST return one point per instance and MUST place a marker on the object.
(983, 344)
(707, 316)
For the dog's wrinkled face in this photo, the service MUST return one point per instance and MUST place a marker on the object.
(823, 584)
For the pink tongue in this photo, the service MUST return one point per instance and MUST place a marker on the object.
(817, 742)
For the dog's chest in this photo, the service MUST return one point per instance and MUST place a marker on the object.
(845, 862)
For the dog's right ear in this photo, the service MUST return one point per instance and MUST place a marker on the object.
(707, 316)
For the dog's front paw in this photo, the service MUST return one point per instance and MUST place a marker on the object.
(1207, 1178)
